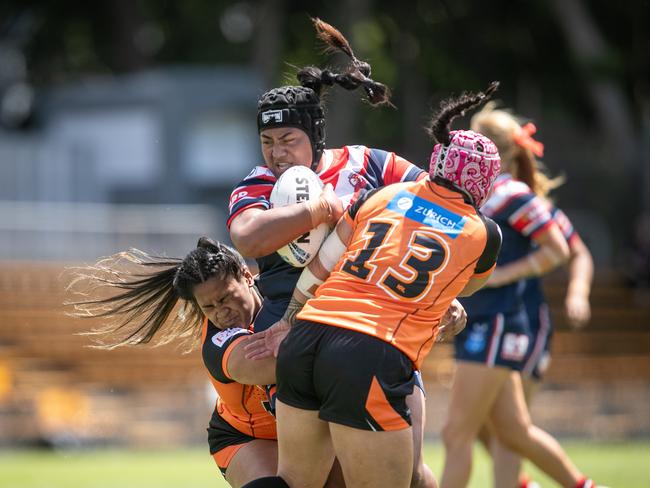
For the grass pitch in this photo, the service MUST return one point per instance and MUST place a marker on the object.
(622, 465)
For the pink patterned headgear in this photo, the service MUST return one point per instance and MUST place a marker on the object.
(470, 161)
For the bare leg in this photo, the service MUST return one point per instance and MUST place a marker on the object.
(256, 459)
(335, 478)
(422, 475)
(305, 452)
(371, 459)
(473, 393)
(515, 430)
(485, 436)
(507, 464)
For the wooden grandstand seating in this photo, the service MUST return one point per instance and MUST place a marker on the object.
(44, 346)
(33, 319)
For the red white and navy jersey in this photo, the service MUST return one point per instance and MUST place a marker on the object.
(521, 215)
(244, 407)
(349, 169)
(533, 294)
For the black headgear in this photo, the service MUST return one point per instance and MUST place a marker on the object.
(294, 106)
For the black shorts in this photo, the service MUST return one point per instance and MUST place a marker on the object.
(224, 441)
(351, 378)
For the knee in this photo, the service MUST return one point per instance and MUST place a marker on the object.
(455, 435)
(422, 477)
(514, 437)
(418, 477)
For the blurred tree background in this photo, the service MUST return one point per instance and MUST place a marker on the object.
(579, 68)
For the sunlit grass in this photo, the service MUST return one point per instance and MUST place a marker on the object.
(623, 465)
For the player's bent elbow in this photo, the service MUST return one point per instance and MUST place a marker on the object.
(248, 246)
(559, 251)
(474, 285)
(564, 252)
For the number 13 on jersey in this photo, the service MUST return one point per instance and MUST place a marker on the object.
(403, 266)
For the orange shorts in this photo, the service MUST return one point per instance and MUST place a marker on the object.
(225, 455)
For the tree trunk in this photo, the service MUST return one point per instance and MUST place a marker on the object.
(589, 47)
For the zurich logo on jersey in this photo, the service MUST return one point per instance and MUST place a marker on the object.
(428, 213)
(477, 338)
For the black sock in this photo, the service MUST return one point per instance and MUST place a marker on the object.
(267, 482)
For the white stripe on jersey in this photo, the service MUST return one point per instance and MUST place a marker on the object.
(355, 164)
(406, 173)
(357, 159)
(383, 171)
(259, 171)
(535, 211)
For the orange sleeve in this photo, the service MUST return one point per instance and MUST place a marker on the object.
(226, 356)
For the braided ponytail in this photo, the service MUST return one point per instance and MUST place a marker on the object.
(455, 107)
(463, 160)
(357, 74)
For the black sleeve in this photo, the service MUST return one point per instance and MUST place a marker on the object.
(361, 199)
(216, 344)
(492, 246)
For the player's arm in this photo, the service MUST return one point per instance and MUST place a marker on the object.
(328, 256)
(250, 371)
(551, 252)
(533, 219)
(581, 273)
(266, 344)
(256, 232)
(320, 268)
(223, 356)
(391, 168)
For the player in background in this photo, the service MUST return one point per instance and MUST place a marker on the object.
(383, 279)
(136, 294)
(493, 349)
(291, 124)
(515, 143)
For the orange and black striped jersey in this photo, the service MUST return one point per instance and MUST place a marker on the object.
(414, 247)
(244, 407)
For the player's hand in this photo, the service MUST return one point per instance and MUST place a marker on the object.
(453, 321)
(266, 344)
(332, 201)
(578, 310)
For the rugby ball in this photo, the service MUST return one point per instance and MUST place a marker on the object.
(299, 184)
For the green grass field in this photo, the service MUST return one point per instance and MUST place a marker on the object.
(618, 465)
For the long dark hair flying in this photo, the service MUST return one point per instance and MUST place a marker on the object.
(137, 292)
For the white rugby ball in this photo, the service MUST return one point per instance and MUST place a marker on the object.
(299, 184)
